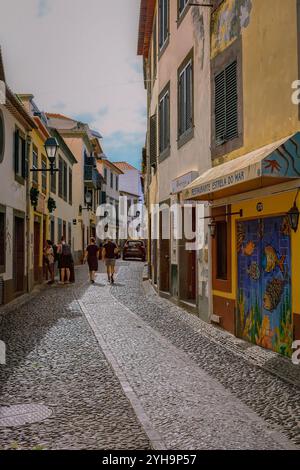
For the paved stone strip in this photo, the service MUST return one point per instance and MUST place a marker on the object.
(187, 407)
(275, 400)
(53, 359)
(266, 359)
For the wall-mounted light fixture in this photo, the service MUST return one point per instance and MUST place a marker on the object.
(51, 146)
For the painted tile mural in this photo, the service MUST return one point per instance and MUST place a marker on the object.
(264, 314)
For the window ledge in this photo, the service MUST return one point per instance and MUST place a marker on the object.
(182, 15)
(20, 179)
(164, 154)
(186, 137)
(164, 47)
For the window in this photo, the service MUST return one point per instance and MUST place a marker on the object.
(44, 174)
(111, 179)
(154, 49)
(117, 183)
(163, 22)
(105, 174)
(2, 136)
(2, 242)
(226, 104)
(52, 230)
(53, 182)
(60, 178)
(20, 155)
(59, 229)
(221, 241)
(153, 140)
(70, 233)
(70, 186)
(221, 250)
(65, 182)
(185, 98)
(35, 164)
(181, 7)
(164, 121)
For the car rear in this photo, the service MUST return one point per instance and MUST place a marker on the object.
(134, 249)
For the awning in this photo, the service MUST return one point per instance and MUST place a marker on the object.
(266, 166)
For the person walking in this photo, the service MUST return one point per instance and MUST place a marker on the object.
(50, 259)
(109, 253)
(66, 260)
(91, 257)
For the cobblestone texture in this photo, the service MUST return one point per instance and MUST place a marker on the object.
(275, 400)
(54, 359)
(191, 388)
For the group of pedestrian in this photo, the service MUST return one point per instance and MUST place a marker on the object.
(61, 254)
(107, 252)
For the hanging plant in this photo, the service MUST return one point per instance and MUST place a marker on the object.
(34, 197)
(51, 205)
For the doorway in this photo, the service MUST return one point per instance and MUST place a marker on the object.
(264, 313)
(19, 254)
(36, 251)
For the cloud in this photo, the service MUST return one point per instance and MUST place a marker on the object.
(43, 8)
(84, 66)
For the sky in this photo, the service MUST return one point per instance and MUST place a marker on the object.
(78, 58)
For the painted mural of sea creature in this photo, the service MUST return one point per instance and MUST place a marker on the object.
(270, 260)
(264, 334)
(273, 294)
(285, 228)
(249, 248)
(254, 271)
(241, 234)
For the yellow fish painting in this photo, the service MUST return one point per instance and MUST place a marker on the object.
(271, 260)
(249, 248)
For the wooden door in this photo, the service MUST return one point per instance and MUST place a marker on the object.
(19, 254)
(36, 251)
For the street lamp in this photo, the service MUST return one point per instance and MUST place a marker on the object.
(88, 201)
(51, 146)
(293, 215)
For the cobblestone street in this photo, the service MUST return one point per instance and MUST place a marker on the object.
(120, 368)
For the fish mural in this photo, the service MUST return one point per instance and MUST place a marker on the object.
(249, 248)
(270, 260)
(241, 235)
(264, 303)
(254, 271)
(273, 294)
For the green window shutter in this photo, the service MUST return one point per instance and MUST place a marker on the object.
(24, 158)
(168, 120)
(231, 101)
(189, 97)
(226, 104)
(153, 140)
(60, 179)
(181, 105)
(220, 107)
(16, 151)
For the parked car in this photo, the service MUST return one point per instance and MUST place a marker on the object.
(134, 249)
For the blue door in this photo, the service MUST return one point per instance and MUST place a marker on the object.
(264, 314)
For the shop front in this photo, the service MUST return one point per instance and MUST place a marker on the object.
(255, 247)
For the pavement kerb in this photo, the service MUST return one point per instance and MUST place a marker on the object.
(228, 347)
(154, 437)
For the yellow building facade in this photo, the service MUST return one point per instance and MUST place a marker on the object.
(253, 185)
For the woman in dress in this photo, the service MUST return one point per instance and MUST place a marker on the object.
(91, 256)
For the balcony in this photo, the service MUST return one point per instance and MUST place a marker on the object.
(90, 176)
